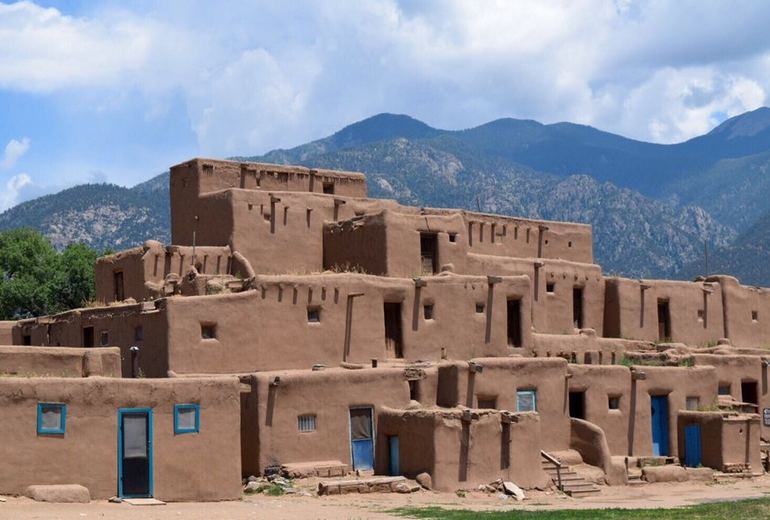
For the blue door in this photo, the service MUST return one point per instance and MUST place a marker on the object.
(394, 466)
(135, 470)
(659, 418)
(362, 438)
(692, 446)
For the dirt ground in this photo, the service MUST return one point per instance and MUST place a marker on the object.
(375, 506)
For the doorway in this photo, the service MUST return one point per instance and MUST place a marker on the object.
(514, 323)
(659, 419)
(692, 446)
(394, 466)
(135, 452)
(393, 338)
(429, 253)
(88, 337)
(577, 307)
(577, 405)
(664, 321)
(118, 282)
(749, 392)
(362, 438)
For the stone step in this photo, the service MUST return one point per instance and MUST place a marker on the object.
(582, 492)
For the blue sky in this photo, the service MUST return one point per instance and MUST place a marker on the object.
(118, 91)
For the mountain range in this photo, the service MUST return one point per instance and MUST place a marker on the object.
(652, 206)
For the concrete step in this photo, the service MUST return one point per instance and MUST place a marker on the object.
(582, 492)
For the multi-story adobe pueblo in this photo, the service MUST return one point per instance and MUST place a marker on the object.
(297, 324)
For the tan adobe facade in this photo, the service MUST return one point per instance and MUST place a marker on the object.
(315, 328)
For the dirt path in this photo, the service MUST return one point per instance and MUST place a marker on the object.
(374, 506)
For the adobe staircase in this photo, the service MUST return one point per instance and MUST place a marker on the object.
(566, 479)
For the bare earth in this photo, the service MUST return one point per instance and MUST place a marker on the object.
(374, 506)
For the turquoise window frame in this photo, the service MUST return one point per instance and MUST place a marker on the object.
(528, 392)
(179, 430)
(41, 430)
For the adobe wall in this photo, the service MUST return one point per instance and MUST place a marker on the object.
(728, 440)
(501, 378)
(695, 308)
(124, 326)
(328, 394)
(194, 467)
(59, 362)
(585, 347)
(487, 444)
(144, 269)
(746, 313)
(6, 332)
(269, 328)
(734, 370)
(678, 383)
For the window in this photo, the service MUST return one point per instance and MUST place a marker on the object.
(700, 314)
(514, 323)
(453, 237)
(489, 403)
(329, 188)
(306, 423)
(313, 315)
(208, 331)
(693, 403)
(724, 388)
(550, 287)
(614, 402)
(51, 418)
(187, 418)
(414, 390)
(428, 253)
(428, 311)
(479, 308)
(26, 339)
(104, 338)
(138, 333)
(754, 316)
(526, 401)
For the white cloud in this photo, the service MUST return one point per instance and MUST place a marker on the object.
(13, 187)
(13, 152)
(254, 78)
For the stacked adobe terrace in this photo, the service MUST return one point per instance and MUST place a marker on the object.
(371, 335)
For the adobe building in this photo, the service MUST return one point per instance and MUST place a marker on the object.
(296, 325)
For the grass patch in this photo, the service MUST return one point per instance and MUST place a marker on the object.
(756, 508)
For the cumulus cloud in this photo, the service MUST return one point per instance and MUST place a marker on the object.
(278, 75)
(13, 187)
(13, 152)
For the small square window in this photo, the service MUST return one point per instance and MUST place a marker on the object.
(187, 418)
(428, 311)
(479, 308)
(614, 402)
(550, 287)
(526, 401)
(754, 316)
(724, 389)
(306, 423)
(208, 331)
(313, 315)
(328, 188)
(693, 403)
(700, 314)
(51, 418)
(488, 403)
(453, 237)
(104, 339)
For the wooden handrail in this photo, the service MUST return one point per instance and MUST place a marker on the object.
(553, 460)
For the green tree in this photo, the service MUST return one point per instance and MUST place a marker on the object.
(35, 279)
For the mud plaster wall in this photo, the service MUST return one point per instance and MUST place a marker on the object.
(125, 326)
(746, 311)
(599, 383)
(442, 444)
(202, 466)
(59, 362)
(328, 394)
(269, 328)
(732, 371)
(584, 348)
(631, 310)
(501, 378)
(725, 439)
(678, 384)
(6, 332)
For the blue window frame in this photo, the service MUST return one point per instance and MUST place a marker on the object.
(187, 418)
(526, 401)
(51, 418)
